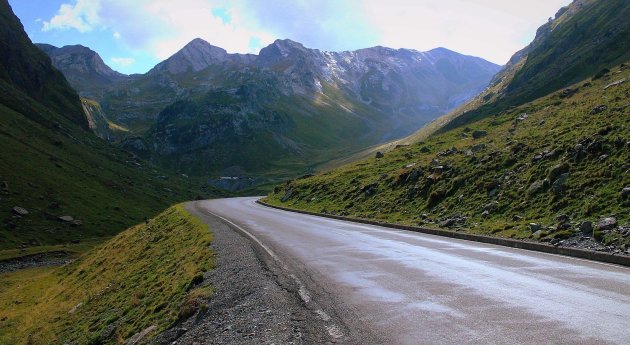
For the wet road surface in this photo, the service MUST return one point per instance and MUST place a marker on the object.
(411, 288)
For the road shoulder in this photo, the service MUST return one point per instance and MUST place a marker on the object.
(254, 302)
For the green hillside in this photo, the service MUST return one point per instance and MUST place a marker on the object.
(586, 37)
(146, 278)
(52, 166)
(557, 161)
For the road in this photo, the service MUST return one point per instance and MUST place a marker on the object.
(411, 288)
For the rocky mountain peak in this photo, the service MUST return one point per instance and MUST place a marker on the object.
(281, 50)
(79, 59)
(198, 55)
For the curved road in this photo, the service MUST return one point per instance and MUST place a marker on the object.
(410, 288)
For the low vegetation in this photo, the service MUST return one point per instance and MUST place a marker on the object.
(146, 278)
(537, 171)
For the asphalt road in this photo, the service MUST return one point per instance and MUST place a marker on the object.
(408, 288)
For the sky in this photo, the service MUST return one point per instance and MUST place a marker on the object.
(132, 36)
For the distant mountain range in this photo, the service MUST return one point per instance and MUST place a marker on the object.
(282, 112)
(541, 155)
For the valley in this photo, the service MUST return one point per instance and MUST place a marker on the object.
(332, 191)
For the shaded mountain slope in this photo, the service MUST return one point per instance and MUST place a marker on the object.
(53, 166)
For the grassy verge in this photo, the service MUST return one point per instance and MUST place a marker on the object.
(149, 275)
(557, 161)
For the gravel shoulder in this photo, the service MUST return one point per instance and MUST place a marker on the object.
(256, 300)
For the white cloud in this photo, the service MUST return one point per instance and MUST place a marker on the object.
(82, 16)
(122, 61)
(493, 29)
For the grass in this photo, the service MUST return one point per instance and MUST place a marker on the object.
(497, 171)
(150, 274)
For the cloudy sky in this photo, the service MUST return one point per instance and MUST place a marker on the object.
(133, 35)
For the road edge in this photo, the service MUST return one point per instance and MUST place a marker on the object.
(505, 242)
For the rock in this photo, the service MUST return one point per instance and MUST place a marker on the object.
(20, 211)
(516, 218)
(534, 227)
(538, 234)
(559, 185)
(66, 219)
(625, 192)
(598, 109)
(536, 187)
(379, 155)
(562, 218)
(370, 189)
(615, 83)
(447, 223)
(425, 149)
(74, 309)
(557, 170)
(478, 147)
(586, 227)
(479, 134)
(607, 223)
(485, 213)
(491, 206)
(138, 337)
(76, 222)
(522, 117)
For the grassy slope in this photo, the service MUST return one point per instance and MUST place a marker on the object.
(67, 171)
(147, 275)
(503, 171)
(52, 165)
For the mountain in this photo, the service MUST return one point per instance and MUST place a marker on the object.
(584, 38)
(551, 169)
(83, 67)
(25, 68)
(204, 111)
(53, 166)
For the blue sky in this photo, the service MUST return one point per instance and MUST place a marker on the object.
(133, 38)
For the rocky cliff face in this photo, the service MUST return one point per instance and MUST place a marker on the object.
(84, 68)
(204, 110)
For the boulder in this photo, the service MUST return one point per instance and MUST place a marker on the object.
(379, 154)
(533, 227)
(607, 223)
(586, 227)
(559, 184)
(625, 192)
(598, 109)
(479, 134)
(536, 187)
(562, 218)
(20, 211)
(66, 219)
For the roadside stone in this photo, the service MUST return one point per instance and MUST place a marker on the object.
(66, 219)
(20, 211)
(538, 234)
(607, 223)
(586, 227)
(138, 337)
(562, 218)
(479, 134)
(534, 227)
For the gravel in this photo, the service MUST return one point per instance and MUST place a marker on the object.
(35, 260)
(254, 301)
